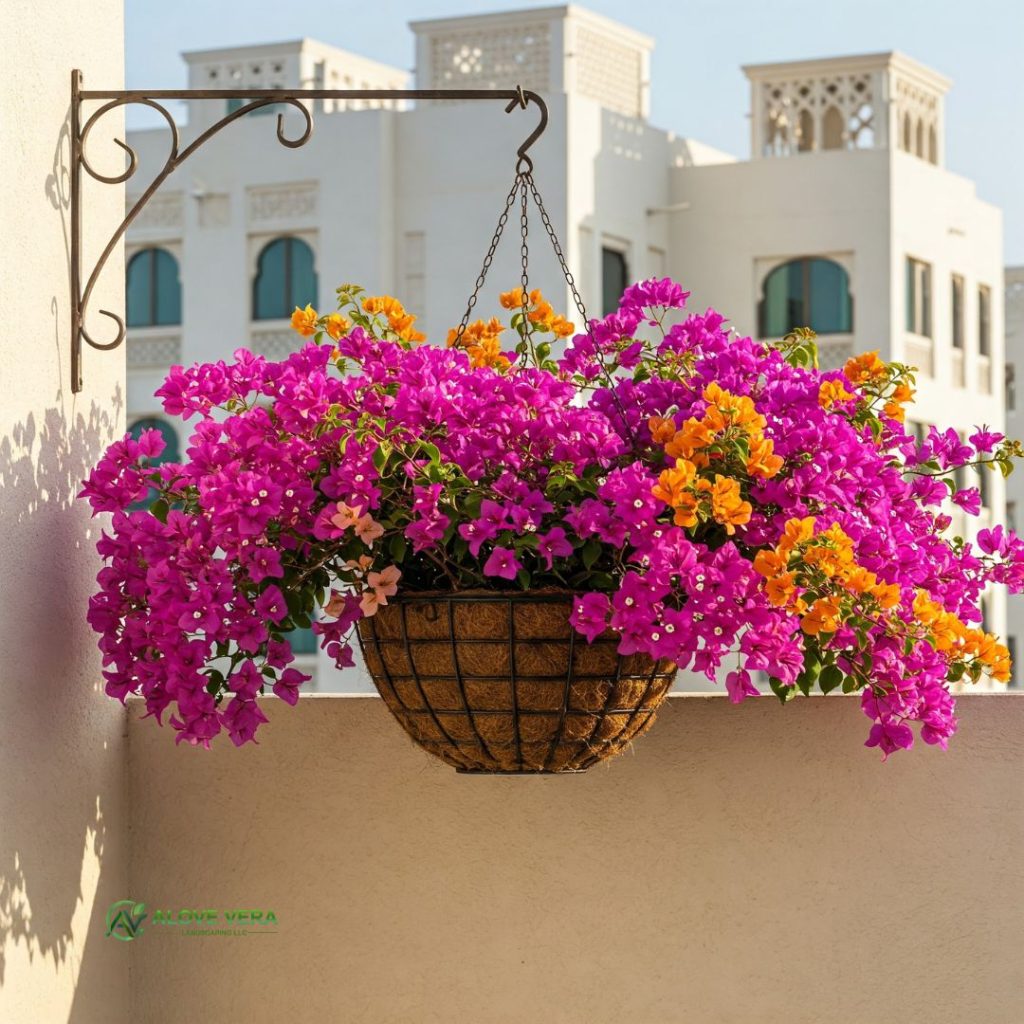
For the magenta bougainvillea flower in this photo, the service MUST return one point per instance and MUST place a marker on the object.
(713, 500)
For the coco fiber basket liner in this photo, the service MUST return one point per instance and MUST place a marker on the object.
(496, 683)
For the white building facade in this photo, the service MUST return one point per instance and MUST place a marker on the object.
(844, 219)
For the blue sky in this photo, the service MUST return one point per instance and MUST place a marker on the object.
(697, 87)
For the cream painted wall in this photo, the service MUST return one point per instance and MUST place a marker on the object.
(62, 750)
(746, 865)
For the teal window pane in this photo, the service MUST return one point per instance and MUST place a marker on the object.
(830, 311)
(812, 293)
(302, 276)
(303, 641)
(269, 287)
(774, 307)
(285, 278)
(614, 279)
(153, 289)
(139, 287)
(167, 291)
(234, 104)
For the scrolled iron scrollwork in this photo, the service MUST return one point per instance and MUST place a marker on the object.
(253, 99)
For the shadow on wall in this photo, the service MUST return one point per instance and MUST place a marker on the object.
(52, 709)
(61, 739)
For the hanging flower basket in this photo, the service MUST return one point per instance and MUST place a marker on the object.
(529, 538)
(502, 683)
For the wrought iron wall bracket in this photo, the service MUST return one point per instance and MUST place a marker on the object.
(253, 99)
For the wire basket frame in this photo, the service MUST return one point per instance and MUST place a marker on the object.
(496, 683)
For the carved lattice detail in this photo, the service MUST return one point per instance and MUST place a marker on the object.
(502, 58)
(283, 202)
(917, 120)
(832, 355)
(275, 343)
(163, 211)
(162, 350)
(610, 72)
(835, 111)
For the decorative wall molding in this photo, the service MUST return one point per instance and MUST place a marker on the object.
(290, 202)
(165, 211)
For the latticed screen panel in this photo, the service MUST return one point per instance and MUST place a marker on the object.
(276, 344)
(162, 350)
(610, 72)
(502, 58)
(829, 112)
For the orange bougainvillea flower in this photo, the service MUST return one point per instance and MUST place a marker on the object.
(821, 617)
(761, 460)
(726, 409)
(795, 532)
(864, 367)
(832, 391)
(673, 483)
(305, 321)
(780, 589)
(692, 436)
(562, 327)
(769, 563)
(727, 504)
(385, 304)
(512, 299)
(336, 325)
(662, 429)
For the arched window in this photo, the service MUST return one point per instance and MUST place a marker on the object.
(171, 452)
(285, 278)
(810, 292)
(832, 129)
(919, 136)
(153, 289)
(933, 146)
(906, 134)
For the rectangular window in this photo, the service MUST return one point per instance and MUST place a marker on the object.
(919, 297)
(958, 311)
(984, 320)
(614, 278)
(1010, 383)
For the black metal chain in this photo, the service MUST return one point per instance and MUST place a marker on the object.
(525, 186)
(557, 246)
(488, 259)
(524, 249)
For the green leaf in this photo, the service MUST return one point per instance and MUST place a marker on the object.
(380, 458)
(591, 552)
(431, 451)
(160, 508)
(398, 546)
(851, 683)
(523, 577)
(831, 677)
(806, 680)
(781, 690)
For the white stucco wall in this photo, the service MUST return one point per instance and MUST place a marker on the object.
(62, 746)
